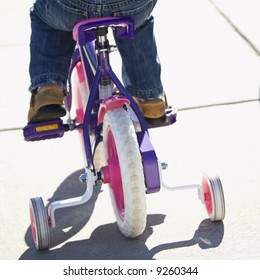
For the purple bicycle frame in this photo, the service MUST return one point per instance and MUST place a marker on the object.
(84, 33)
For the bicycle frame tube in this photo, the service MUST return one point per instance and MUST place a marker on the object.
(89, 63)
(96, 65)
(104, 70)
(128, 96)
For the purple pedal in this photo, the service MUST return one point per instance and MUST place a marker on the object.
(43, 130)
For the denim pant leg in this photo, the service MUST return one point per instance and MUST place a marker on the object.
(141, 69)
(52, 45)
(51, 50)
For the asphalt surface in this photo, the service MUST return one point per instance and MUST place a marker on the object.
(209, 51)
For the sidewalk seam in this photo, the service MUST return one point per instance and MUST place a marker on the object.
(237, 30)
(178, 109)
(218, 104)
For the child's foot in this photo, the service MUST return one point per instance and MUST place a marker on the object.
(153, 110)
(46, 104)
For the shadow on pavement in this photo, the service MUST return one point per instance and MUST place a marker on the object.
(208, 235)
(106, 242)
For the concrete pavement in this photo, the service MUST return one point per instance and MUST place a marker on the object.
(206, 61)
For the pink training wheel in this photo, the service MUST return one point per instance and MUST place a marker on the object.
(39, 223)
(213, 198)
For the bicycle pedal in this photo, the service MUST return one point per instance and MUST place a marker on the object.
(43, 130)
(171, 117)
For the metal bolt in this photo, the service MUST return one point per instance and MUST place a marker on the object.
(83, 178)
(164, 165)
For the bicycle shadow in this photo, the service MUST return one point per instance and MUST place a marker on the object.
(106, 242)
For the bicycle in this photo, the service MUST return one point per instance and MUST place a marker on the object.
(116, 144)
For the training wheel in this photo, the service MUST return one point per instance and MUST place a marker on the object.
(213, 198)
(39, 223)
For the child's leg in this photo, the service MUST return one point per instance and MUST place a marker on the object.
(51, 50)
(141, 65)
(142, 73)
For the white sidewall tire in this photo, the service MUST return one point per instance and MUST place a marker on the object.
(118, 122)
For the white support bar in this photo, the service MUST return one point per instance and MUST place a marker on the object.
(184, 187)
(73, 201)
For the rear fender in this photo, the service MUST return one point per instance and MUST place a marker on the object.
(111, 103)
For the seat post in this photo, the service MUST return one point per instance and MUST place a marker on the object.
(101, 34)
(103, 50)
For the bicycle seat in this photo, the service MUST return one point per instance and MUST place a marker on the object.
(85, 30)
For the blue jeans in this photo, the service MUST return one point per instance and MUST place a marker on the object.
(52, 45)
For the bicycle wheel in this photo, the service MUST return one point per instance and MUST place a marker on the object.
(39, 223)
(213, 198)
(127, 185)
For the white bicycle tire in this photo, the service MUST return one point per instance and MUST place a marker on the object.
(132, 221)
